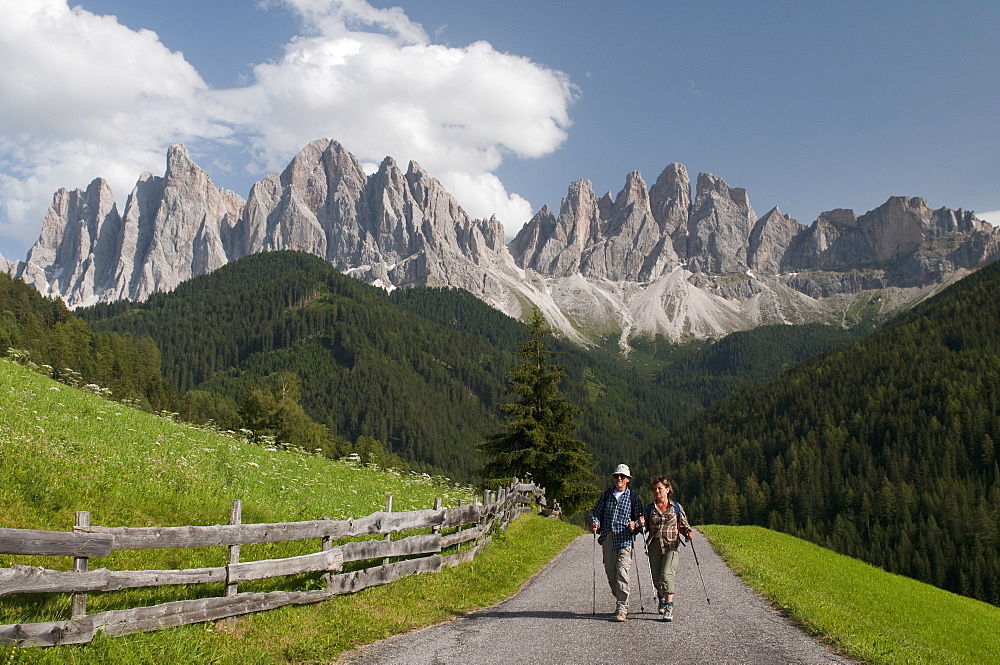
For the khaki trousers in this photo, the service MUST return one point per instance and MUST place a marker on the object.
(664, 567)
(617, 566)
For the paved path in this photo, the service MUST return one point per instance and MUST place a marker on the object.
(551, 622)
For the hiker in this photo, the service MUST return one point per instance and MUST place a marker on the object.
(666, 522)
(617, 516)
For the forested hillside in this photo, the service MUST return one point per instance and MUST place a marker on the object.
(420, 371)
(361, 366)
(885, 450)
(42, 333)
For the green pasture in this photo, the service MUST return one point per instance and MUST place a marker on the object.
(865, 612)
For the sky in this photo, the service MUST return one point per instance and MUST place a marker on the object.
(808, 106)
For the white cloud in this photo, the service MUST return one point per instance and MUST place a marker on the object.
(372, 79)
(992, 217)
(83, 96)
(483, 195)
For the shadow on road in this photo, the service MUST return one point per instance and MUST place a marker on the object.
(549, 614)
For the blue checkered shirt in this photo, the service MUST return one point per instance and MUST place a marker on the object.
(612, 516)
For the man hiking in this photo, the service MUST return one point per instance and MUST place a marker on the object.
(667, 524)
(617, 516)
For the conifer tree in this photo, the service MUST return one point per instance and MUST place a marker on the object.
(536, 442)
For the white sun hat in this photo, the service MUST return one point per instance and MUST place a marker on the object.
(622, 469)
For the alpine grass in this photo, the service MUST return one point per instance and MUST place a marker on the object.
(862, 610)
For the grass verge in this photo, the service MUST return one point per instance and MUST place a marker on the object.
(866, 612)
(320, 633)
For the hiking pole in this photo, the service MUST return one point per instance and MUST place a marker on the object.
(652, 580)
(594, 558)
(707, 600)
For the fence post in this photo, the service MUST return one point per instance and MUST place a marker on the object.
(235, 518)
(500, 508)
(388, 536)
(80, 563)
(437, 506)
(327, 546)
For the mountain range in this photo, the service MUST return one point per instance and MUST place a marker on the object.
(650, 260)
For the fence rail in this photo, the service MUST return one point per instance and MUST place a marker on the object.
(473, 524)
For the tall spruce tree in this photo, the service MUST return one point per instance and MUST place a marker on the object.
(536, 441)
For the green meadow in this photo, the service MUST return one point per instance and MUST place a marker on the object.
(64, 449)
(871, 615)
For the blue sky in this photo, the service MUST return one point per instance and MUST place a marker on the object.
(808, 106)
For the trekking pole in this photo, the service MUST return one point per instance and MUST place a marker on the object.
(652, 580)
(707, 600)
(594, 558)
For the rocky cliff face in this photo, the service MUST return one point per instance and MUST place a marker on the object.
(648, 260)
(392, 229)
(172, 230)
(769, 240)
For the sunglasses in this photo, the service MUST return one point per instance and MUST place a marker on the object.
(619, 475)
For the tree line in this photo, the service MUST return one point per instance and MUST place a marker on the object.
(41, 332)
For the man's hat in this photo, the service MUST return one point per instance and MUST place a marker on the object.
(624, 470)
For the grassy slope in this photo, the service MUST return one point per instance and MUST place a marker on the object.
(868, 613)
(63, 450)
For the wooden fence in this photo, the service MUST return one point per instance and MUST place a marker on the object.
(468, 526)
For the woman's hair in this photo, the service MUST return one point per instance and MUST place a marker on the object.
(663, 481)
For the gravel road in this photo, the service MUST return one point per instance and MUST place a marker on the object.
(551, 621)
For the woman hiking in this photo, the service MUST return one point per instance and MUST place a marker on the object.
(667, 524)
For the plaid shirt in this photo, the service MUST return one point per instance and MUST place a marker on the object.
(665, 528)
(612, 516)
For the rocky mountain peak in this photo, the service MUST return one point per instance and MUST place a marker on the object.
(634, 192)
(415, 171)
(645, 260)
(179, 164)
(428, 191)
(555, 246)
(670, 198)
(769, 240)
(77, 222)
(718, 232)
(709, 185)
(841, 217)
(632, 245)
(579, 196)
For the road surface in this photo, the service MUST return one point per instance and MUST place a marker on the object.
(552, 621)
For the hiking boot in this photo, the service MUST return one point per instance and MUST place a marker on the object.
(663, 606)
(620, 613)
(668, 611)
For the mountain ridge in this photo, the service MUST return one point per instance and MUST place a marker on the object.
(650, 260)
